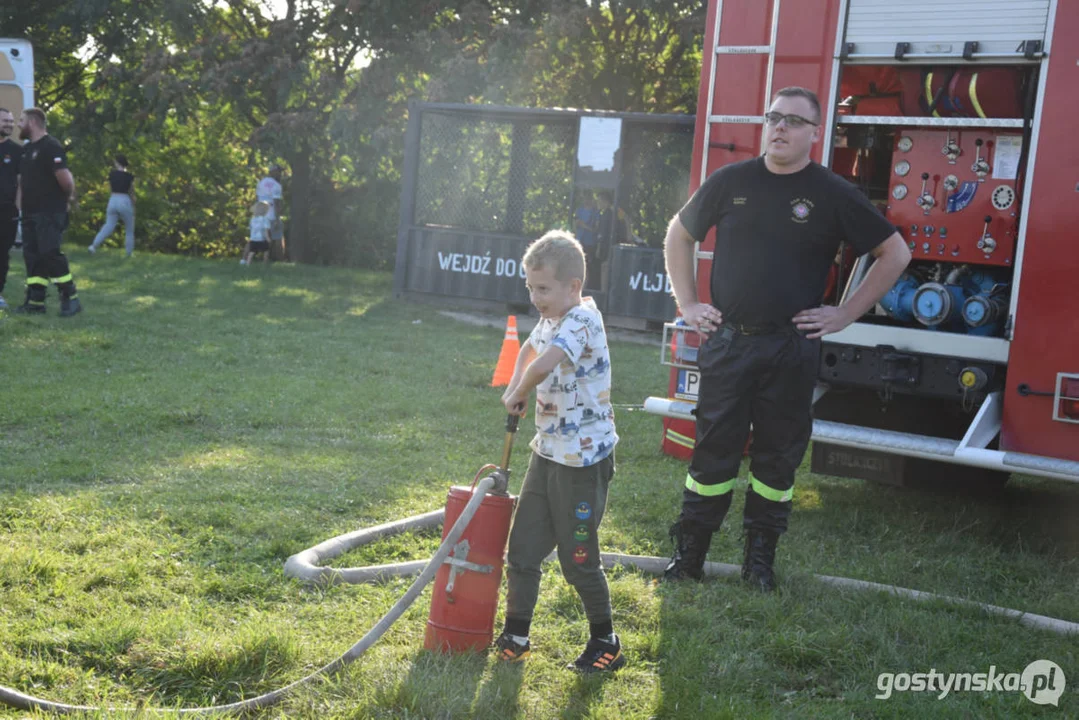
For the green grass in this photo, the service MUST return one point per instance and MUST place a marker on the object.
(164, 452)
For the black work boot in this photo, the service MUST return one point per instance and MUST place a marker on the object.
(70, 306)
(28, 308)
(760, 557)
(691, 544)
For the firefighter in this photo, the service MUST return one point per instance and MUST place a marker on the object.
(10, 152)
(46, 192)
(779, 220)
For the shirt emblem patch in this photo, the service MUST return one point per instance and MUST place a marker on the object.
(800, 209)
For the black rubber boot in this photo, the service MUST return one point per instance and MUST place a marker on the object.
(691, 544)
(760, 557)
(70, 306)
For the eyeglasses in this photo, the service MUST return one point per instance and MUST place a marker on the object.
(793, 121)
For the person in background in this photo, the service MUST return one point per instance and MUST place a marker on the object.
(121, 206)
(46, 194)
(10, 152)
(258, 233)
(585, 228)
(269, 191)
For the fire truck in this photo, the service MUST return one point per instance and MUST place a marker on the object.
(955, 118)
(16, 75)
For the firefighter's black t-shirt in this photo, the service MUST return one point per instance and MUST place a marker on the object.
(41, 191)
(777, 235)
(10, 152)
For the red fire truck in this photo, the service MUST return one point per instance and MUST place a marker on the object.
(955, 117)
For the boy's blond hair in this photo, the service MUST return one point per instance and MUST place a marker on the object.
(559, 250)
(260, 208)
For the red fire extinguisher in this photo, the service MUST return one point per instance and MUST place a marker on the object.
(465, 595)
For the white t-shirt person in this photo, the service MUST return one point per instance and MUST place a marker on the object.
(268, 190)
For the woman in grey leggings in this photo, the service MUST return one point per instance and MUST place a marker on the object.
(121, 206)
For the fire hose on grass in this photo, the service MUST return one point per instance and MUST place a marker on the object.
(441, 634)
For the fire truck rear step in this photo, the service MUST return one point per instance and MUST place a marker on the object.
(963, 452)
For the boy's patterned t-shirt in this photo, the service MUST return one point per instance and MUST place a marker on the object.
(574, 417)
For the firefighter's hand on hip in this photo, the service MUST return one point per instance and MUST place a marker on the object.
(820, 321)
(702, 316)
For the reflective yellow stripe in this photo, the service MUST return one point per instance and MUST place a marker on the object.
(974, 95)
(64, 279)
(929, 93)
(35, 280)
(769, 493)
(680, 439)
(710, 490)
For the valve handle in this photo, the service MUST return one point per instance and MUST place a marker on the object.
(512, 422)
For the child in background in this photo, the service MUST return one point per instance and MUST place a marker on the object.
(258, 233)
(564, 493)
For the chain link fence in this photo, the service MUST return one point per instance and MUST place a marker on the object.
(655, 179)
(514, 175)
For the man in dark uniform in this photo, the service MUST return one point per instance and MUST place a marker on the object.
(10, 151)
(46, 191)
(779, 221)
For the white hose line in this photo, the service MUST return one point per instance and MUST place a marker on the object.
(304, 566)
(22, 701)
(657, 565)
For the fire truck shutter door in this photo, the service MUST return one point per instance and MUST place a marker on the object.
(940, 29)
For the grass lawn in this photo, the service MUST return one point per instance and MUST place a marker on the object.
(164, 452)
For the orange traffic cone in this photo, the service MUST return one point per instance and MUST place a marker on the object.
(507, 359)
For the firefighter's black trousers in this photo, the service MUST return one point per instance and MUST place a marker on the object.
(41, 237)
(764, 379)
(8, 229)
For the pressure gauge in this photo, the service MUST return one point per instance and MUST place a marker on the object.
(905, 144)
(1003, 197)
(899, 191)
(951, 182)
(902, 168)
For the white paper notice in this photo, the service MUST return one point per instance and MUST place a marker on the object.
(598, 141)
(1006, 157)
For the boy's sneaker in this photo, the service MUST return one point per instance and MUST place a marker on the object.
(91, 249)
(600, 656)
(509, 650)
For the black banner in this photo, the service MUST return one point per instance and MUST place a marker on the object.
(638, 284)
(463, 264)
(488, 267)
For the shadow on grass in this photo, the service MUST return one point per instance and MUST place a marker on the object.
(1029, 516)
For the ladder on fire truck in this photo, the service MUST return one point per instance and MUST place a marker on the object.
(719, 49)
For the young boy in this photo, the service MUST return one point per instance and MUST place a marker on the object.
(564, 494)
(258, 233)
